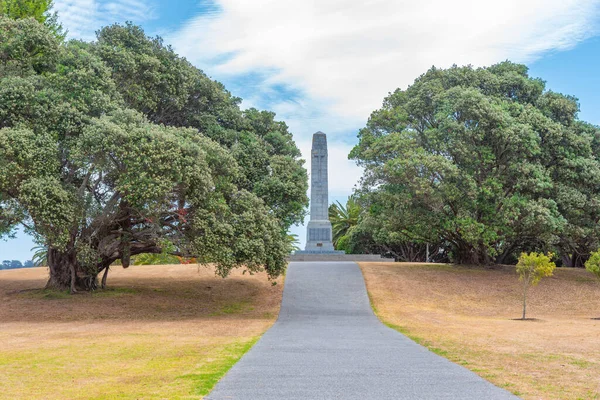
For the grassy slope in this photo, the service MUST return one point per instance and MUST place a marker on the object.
(467, 315)
(159, 332)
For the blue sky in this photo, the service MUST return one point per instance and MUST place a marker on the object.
(326, 65)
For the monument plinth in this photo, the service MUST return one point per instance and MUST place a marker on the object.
(318, 232)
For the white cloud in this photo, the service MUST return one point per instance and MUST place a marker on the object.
(344, 57)
(352, 53)
(83, 17)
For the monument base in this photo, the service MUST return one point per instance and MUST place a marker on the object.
(337, 255)
(318, 239)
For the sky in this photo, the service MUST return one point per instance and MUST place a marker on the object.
(325, 65)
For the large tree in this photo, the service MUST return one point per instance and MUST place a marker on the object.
(96, 170)
(484, 163)
(169, 90)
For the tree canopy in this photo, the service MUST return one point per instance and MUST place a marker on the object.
(120, 147)
(482, 163)
(40, 10)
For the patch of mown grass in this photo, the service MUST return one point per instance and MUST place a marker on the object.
(212, 372)
(48, 294)
(113, 292)
(499, 352)
(584, 279)
(416, 339)
(419, 340)
(451, 267)
(233, 308)
(146, 369)
(580, 363)
(545, 358)
(51, 294)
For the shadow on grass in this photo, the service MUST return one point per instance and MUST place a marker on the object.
(65, 294)
(155, 299)
(527, 319)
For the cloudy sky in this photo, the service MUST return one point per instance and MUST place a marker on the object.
(326, 64)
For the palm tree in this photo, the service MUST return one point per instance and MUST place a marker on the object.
(40, 256)
(343, 219)
(293, 242)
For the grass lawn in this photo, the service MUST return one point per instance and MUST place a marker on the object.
(158, 332)
(467, 315)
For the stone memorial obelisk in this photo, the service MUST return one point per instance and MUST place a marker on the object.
(318, 232)
(319, 245)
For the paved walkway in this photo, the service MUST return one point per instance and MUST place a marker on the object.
(327, 344)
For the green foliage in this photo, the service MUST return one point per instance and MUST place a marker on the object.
(343, 220)
(531, 268)
(482, 164)
(40, 10)
(26, 47)
(293, 242)
(19, 9)
(593, 264)
(155, 81)
(118, 148)
(155, 259)
(344, 243)
(40, 256)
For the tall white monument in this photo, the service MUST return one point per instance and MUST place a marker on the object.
(318, 232)
(319, 245)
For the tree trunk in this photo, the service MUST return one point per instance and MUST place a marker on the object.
(525, 287)
(67, 274)
(104, 277)
(469, 255)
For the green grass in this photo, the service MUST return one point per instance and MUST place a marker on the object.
(113, 292)
(203, 382)
(46, 294)
(50, 294)
(416, 339)
(233, 308)
(147, 369)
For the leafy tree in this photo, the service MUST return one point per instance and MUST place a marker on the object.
(343, 219)
(95, 165)
(40, 10)
(531, 268)
(166, 88)
(28, 264)
(11, 264)
(19, 9)
(593, 264)
(482, 164)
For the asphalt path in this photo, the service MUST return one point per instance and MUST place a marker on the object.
(328, 344)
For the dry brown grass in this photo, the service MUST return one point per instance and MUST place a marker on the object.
(158, 332)
(467, 315)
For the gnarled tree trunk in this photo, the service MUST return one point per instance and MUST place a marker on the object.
(67, 274)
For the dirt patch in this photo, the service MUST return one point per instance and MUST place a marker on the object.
(470, 315)
(143, 337)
